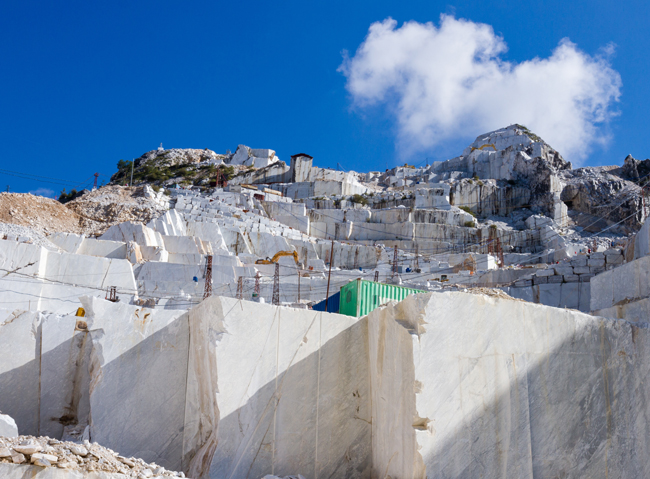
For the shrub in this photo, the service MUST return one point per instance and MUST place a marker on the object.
(228, 172)
(65, 197)
(469, 224)
(359, 199)
(467, 210)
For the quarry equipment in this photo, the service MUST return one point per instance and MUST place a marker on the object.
(277, 256)
(360, 297)
(208, 278)
(111, 295)
(276, 285)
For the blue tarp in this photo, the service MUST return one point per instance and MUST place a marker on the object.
(332, 304)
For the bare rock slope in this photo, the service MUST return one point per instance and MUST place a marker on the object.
(111, 205)
(90, 214)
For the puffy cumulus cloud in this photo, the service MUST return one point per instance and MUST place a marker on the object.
(449, 82)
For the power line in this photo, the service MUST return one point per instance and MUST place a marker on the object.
(31, 177)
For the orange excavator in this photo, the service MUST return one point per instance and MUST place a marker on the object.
(277, 256)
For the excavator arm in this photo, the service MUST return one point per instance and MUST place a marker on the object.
(277, 256)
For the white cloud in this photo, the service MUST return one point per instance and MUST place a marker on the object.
(450, 82)
(43, 192)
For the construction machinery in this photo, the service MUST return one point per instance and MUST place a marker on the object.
(277, 256)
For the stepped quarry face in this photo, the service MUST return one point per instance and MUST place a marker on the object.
(190, 323)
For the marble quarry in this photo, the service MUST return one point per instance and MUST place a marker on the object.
(526, 356)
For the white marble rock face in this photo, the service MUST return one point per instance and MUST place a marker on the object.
(467, 386)
(20, 337)
(138, 375)
(292, 391)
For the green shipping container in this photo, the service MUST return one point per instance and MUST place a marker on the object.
(359, 297)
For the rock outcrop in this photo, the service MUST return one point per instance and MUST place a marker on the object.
(258, 158)
(635, 170)
(178, 156)
(597, 200)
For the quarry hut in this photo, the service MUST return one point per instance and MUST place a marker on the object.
(360, 297)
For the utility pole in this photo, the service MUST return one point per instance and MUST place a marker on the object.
(417, 256)
(299, 275)
(395, 261)
(132, 162)
(7, 188)
(329, 275)
(240, 287)
(208, 278)
(96, 175)
(257, 284)
(276, 285)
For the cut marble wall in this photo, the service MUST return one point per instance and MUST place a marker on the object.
(138, 376)
(34, 278)
(20, 341)
(129, 231)
(623, 292)
(303, 405)
(558, 295)
(306, 395)
(79, 244)
(64, 374)
(489, 387)
(43, 371)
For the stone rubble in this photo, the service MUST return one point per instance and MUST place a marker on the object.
(89, 457)
(23, 234)
(112, 205)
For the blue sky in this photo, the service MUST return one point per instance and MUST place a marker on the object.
(89, 83)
